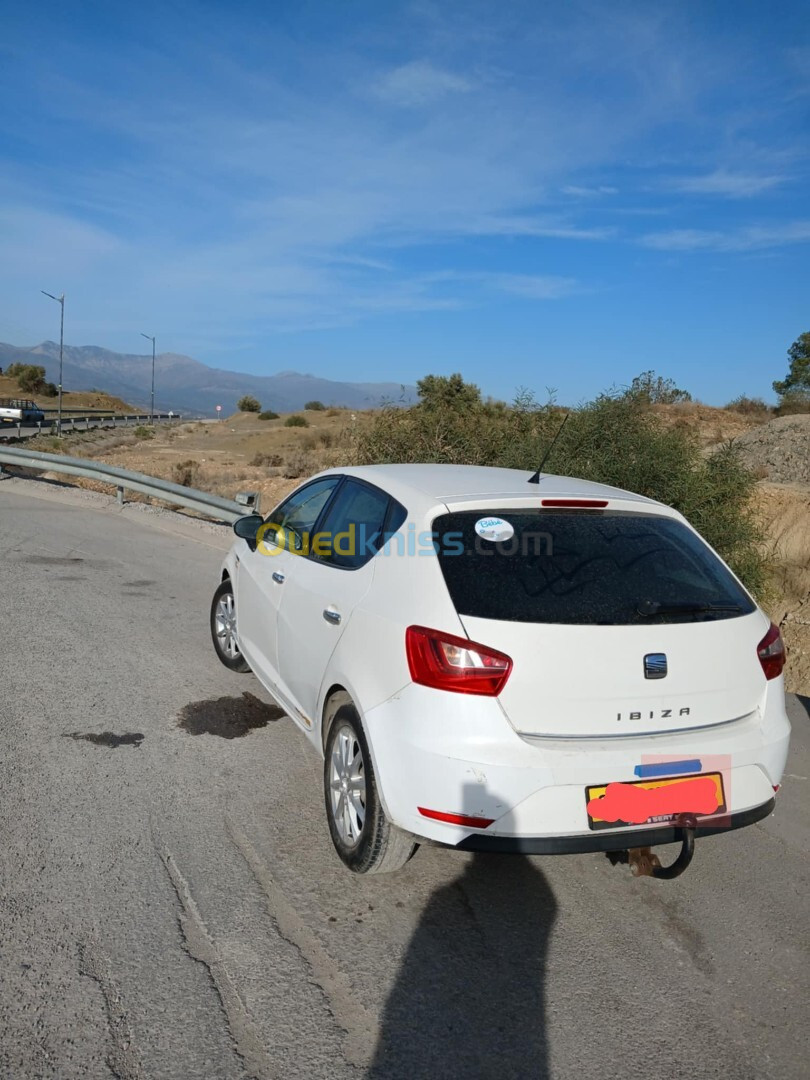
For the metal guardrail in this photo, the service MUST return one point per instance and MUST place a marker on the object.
(123, 480)
(82, 422)
(78, 410)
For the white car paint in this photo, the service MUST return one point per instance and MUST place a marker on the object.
(575, 710)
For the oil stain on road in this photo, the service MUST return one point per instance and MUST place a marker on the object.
(107, 738)
(228, 717)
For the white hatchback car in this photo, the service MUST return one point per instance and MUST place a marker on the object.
(500, 665)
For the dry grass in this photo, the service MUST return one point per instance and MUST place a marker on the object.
(785, 510)
(710, 425)
(242, 453)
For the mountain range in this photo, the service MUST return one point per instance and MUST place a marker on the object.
(189, 387)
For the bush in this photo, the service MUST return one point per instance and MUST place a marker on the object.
(248, 403)
(50, 389)
(296, 420)
(749, 406)
(614, 440)
(651, 389)
(794, 401)
(273, 460)
(186, 472)
(297, 464)
(315, 406)
(143, 432)
(268, 414)
(30, 377)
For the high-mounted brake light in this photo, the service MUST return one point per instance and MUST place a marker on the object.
(447, 662)
(584, 504)
(771, 653)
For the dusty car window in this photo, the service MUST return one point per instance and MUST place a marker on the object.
(605, 568)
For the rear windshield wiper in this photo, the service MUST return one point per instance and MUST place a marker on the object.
(650, 608)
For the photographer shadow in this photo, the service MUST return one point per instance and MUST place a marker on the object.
(469, 999)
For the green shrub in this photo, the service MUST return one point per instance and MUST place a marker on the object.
(749, 406)
(651, 389)
(315, 406)
(794, 401)
(143, 432)
(30, 377)
(615, 440)
(296, 420)
(268, 414)
(248, 403)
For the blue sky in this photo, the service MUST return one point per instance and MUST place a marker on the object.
(534, 194)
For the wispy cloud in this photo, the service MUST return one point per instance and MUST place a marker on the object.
(419, 83)
(536, 226)
(580, 192)
(733, 185)
(534, 286)
(746, 238)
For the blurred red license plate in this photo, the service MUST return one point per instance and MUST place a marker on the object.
(650, 802)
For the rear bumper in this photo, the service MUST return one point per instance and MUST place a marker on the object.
(454, 754)
(618, 840)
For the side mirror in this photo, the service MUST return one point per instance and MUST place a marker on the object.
(247, 527)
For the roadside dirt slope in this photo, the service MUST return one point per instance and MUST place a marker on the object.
(780, 449)
(83, 399)
(786, 513)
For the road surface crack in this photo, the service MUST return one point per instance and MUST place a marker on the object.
(341, 997)
(201, 947)
(123, 1060)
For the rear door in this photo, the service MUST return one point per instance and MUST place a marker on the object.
(323, 590)
(617, 622)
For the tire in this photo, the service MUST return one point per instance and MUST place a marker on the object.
(363, 836)
(223, 628)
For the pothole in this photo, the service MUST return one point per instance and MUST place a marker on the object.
(228, 717)
(107, 738)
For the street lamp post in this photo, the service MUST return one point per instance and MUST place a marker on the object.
(150, 338)
(61, 301)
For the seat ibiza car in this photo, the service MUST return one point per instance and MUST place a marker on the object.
(496, 663)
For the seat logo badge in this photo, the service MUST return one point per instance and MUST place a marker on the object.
(655, 665)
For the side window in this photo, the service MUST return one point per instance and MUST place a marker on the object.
(292, 522)
(352, 531)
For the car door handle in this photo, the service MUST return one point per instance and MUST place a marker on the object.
(331, 616)
(279, 577)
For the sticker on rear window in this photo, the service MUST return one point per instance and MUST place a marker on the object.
(495, 529)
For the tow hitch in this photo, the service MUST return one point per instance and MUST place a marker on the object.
(643, 863)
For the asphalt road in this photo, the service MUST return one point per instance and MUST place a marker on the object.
(171, 905)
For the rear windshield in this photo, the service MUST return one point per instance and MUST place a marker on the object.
(607, 568)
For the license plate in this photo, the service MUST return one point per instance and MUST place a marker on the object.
(651, 802)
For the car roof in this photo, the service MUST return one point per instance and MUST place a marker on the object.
(422, 484)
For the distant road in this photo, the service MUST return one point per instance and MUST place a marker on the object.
(80, 423)
(172, 908)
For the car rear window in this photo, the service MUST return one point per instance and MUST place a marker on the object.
(582, 567)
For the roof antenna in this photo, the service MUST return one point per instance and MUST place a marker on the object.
(535, 478)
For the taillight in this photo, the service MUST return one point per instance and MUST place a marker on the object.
(446, 662)
(771, 653)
